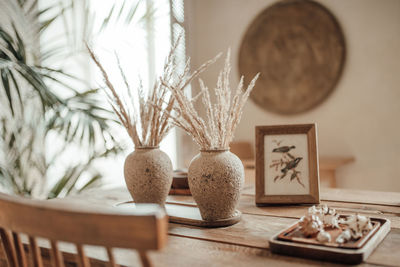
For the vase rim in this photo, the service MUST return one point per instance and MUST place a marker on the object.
(147, 147)
(214, 150)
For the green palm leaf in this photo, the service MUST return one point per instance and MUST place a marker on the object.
(26, 81)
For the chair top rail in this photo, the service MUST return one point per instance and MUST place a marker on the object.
(143, 227)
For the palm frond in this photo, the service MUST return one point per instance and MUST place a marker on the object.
(126, 12)
(29, 82)
(67, 184)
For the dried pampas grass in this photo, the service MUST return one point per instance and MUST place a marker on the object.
(222, 117)
(147, 120)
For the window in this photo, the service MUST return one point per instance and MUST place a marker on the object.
(142, 47)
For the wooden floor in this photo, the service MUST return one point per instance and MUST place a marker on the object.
(246, 243)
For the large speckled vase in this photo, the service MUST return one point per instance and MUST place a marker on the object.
(215, 180)
(148, 175)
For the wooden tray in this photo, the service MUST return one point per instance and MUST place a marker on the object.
(294, 234)
(189, 214)
(287, 243)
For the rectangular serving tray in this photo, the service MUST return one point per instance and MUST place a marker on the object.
(351, 253)
(294, 234)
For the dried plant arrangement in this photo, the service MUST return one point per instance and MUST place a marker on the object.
(147, 120)
(217, 131)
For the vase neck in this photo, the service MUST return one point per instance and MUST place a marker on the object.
(214, 150)
(146, 147)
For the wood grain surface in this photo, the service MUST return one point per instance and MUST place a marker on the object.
(298, 46)
(246, 243)
(182, 251)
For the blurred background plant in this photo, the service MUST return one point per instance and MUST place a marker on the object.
(47, 111)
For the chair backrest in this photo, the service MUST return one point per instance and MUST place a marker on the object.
(142, 228)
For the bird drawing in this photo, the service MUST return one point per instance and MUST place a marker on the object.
(291, 165)
(283, 149)
(288, 164)
(296, 176)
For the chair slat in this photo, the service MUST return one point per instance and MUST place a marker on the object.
(35, 250)
(111, 258)
(143, 228)
(19, 248)
(9, 248)
(144, 258)
(57, 258)
(82, 259)
(138, 228)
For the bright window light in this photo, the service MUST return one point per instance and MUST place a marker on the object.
(142, 47)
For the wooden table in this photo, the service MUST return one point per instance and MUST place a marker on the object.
(246, 243)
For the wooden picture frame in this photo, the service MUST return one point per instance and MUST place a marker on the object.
(287, 164)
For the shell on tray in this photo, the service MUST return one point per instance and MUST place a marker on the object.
(327, 215)
(358, 225)
(320, 218)
(323, 237)
(310, 224)
(344, 237)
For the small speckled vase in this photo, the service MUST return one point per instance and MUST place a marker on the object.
(148, 175)
(215, 180)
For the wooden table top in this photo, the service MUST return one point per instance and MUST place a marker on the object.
(246, 243)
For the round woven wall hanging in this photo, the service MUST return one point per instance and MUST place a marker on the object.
(298, 46)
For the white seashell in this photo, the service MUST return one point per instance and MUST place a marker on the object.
(323, 237)
(331, 220)
(314, 210)
(344, 237)
(358, 225)
(327, 215)
(324, 209)
(310, 224)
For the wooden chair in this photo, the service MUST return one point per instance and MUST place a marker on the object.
(143, 228)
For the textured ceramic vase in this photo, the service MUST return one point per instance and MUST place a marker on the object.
(215, 180)
(148, 175)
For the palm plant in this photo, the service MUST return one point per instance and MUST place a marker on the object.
(41, 104)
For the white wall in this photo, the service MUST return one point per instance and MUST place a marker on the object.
(361, 118)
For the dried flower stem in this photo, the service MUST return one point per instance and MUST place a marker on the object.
(148, 120)
(222, 117)
(145, 125)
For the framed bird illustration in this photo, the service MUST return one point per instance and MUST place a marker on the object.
(287, 164)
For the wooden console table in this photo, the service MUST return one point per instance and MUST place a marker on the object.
(328, 167)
